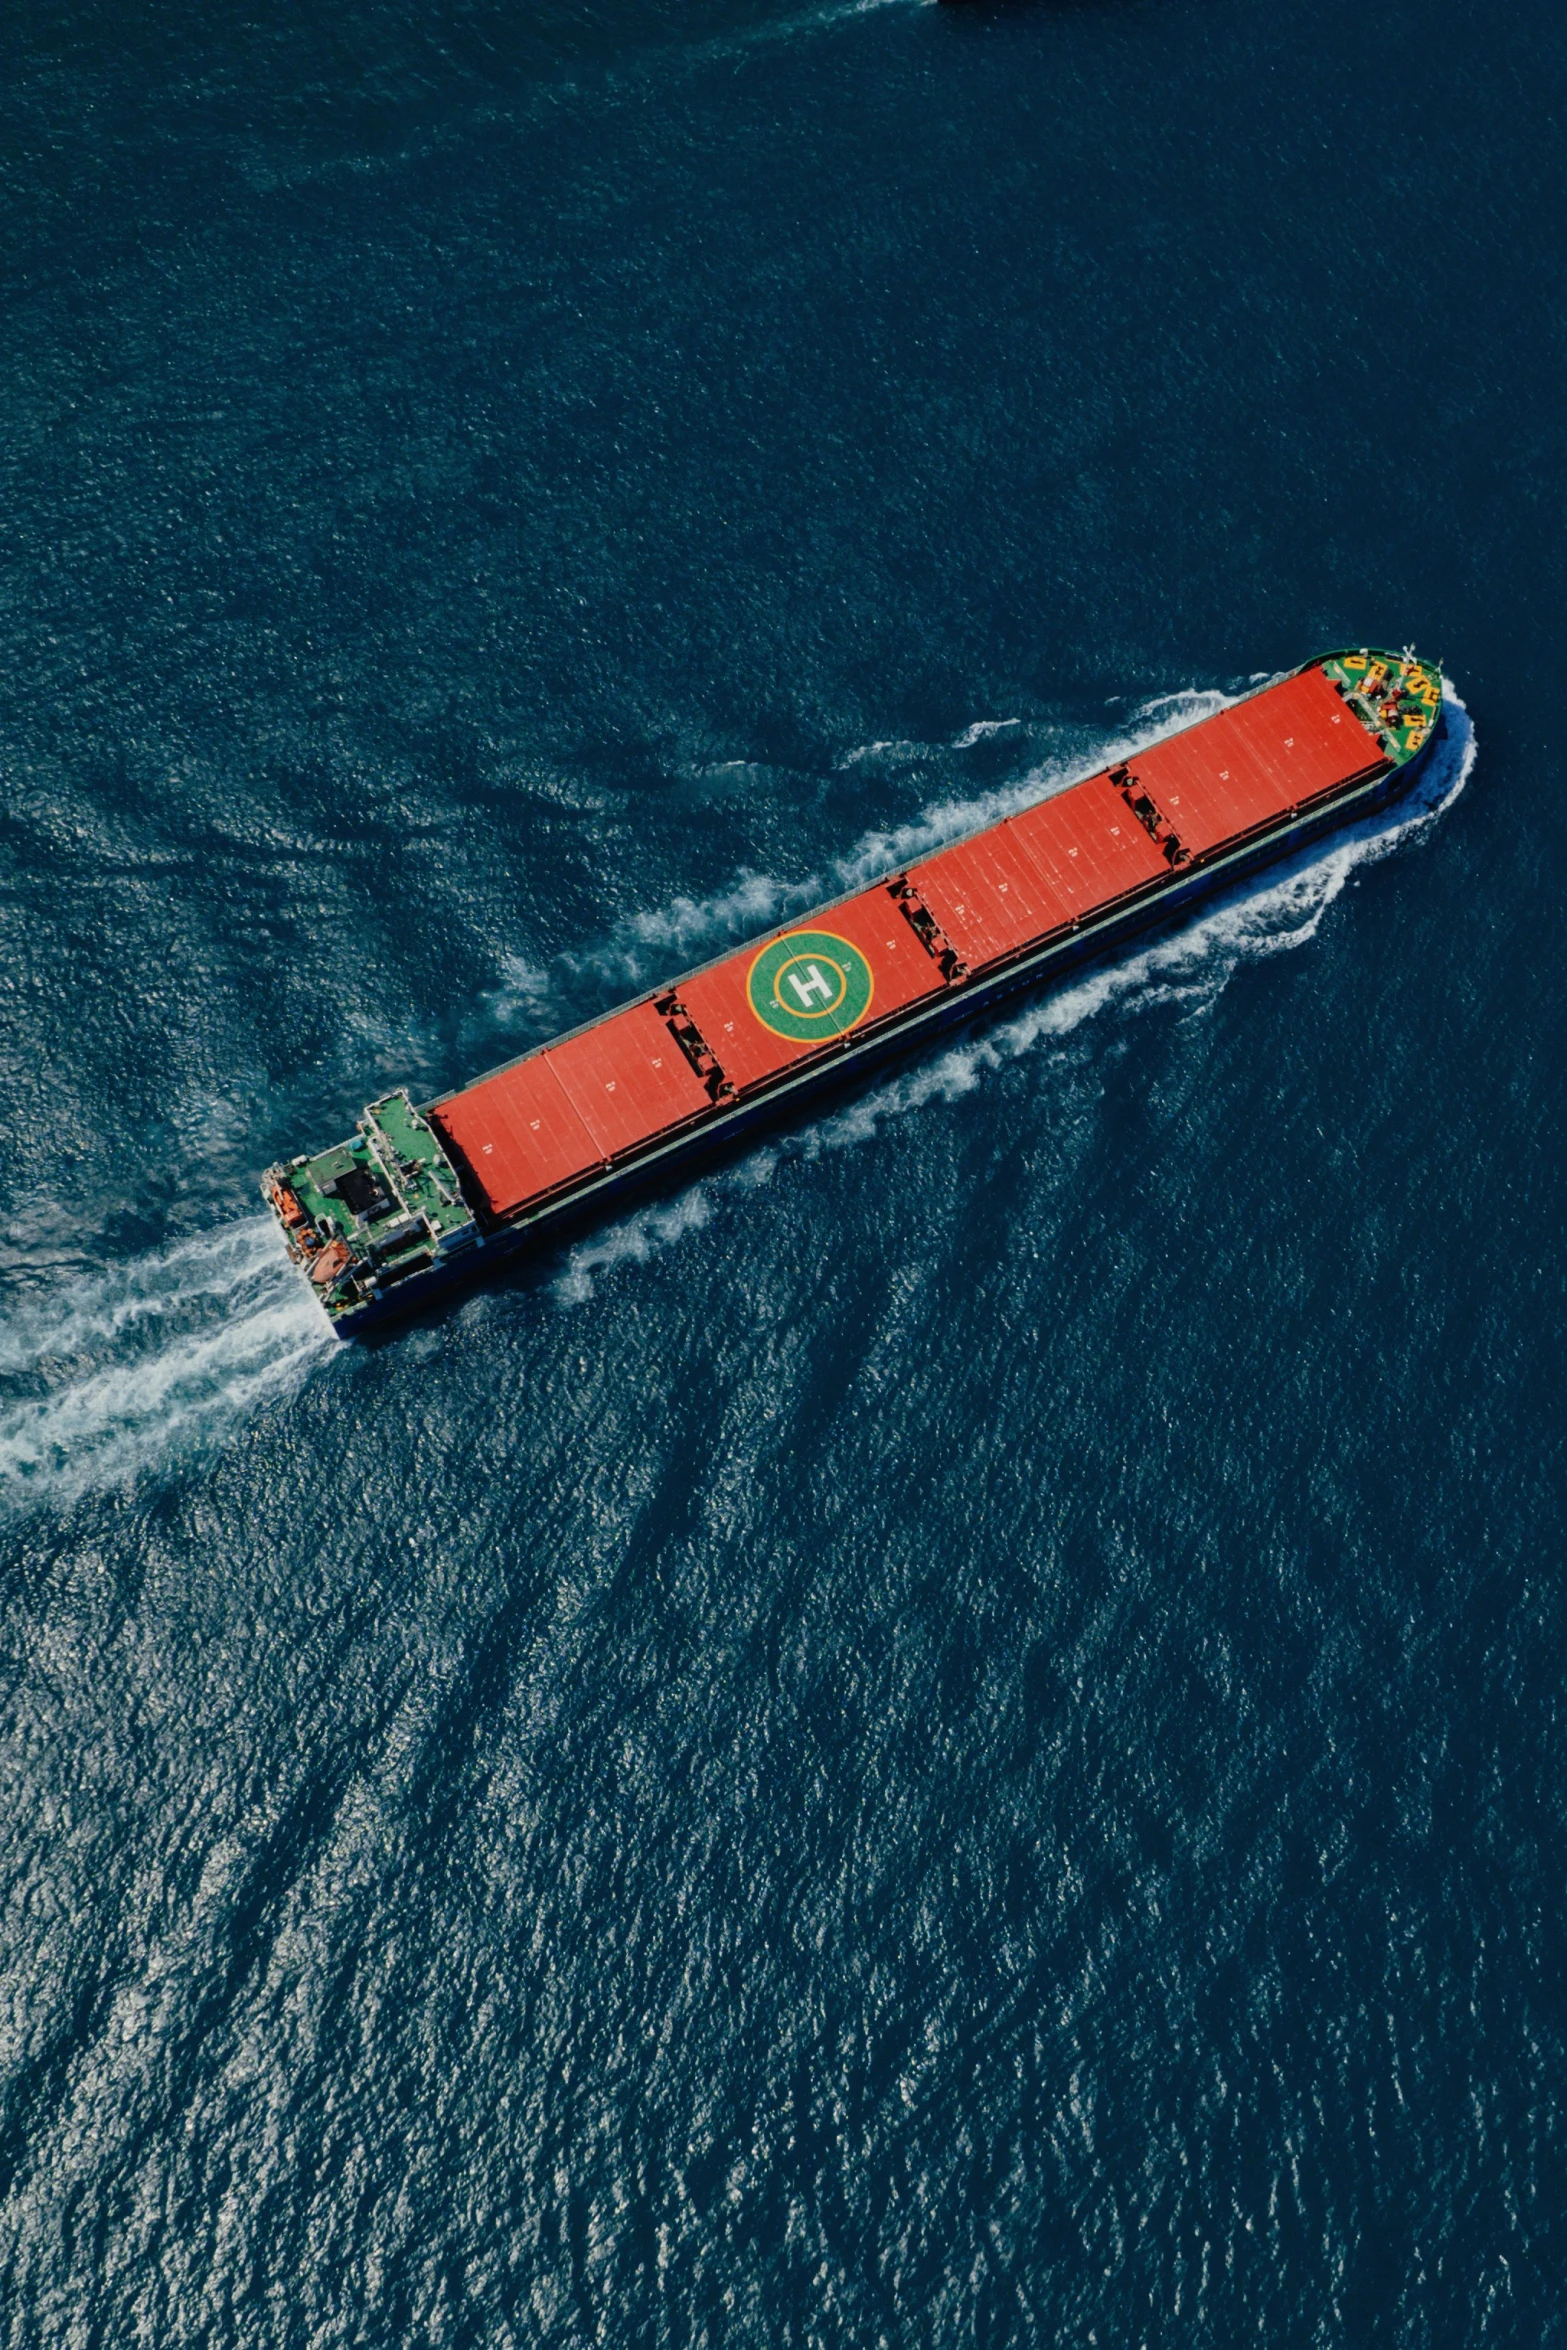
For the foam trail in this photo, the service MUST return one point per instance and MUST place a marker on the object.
(985, 730)
(1277, 909)
(649, 947)
(116, 1370)
(790, 28)
(633, 1240)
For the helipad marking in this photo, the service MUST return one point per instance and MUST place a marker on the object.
(810, 985)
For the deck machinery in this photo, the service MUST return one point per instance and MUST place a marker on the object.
(416, 1197)
(373, 1211)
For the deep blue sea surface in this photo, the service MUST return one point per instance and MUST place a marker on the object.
(953, 1734)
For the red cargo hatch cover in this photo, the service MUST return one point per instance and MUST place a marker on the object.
(518, 1133)
(1208, 786)
(989, 897)
(1249, 766)
(768, 1007)
(1310, 737)
(1088, 845)
(628, 1080)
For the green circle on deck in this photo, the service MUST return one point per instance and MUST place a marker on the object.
(810, 985)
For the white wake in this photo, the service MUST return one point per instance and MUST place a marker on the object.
(115, 1370)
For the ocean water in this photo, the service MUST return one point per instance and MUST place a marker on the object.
(954, 1733)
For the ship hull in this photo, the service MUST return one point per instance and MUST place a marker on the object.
(1166, 904)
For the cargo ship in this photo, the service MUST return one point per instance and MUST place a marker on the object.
(422, 1197)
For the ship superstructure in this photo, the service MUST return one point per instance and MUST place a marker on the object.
(376, 1210)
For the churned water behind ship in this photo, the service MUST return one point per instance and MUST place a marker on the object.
(951, 1733)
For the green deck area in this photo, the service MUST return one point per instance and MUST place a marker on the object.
(312, 1186)
(1398, 697)
(406, 1146)
(373, 1210)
